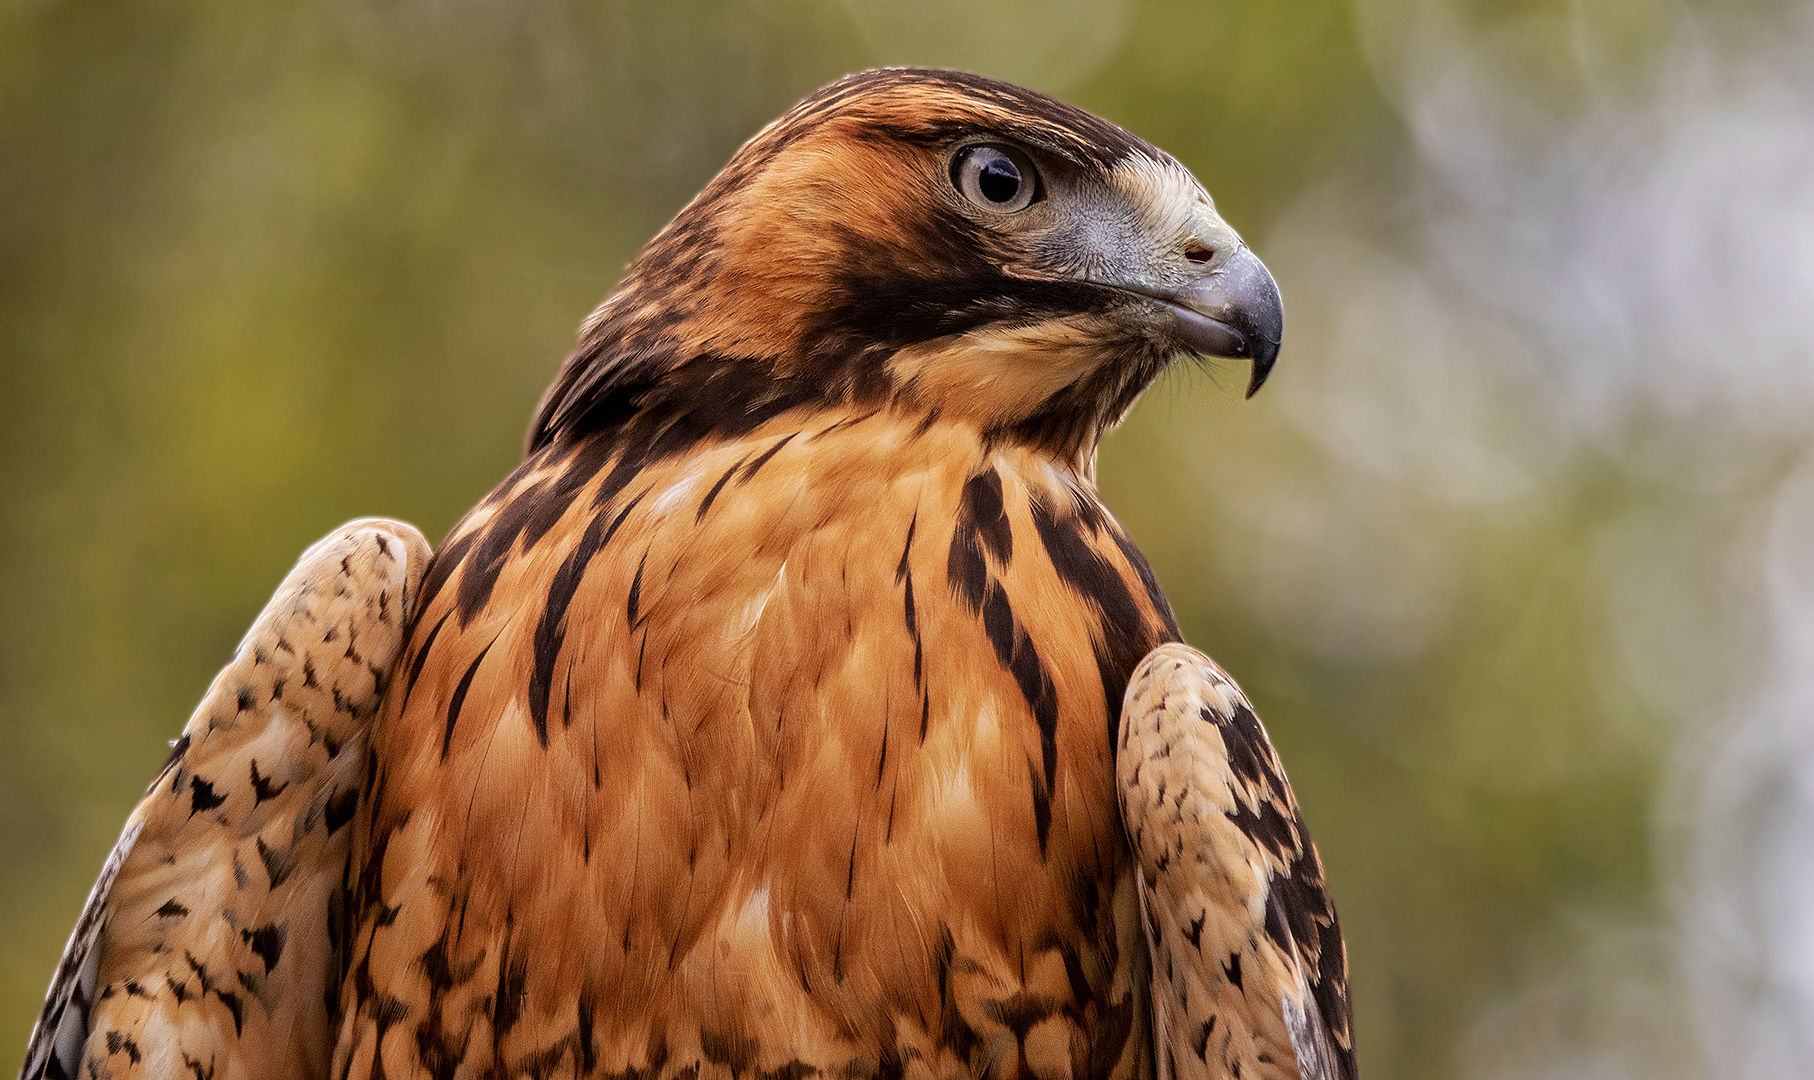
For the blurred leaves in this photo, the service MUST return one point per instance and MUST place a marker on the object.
(1482, 552)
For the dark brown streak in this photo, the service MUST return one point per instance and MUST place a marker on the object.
(965, 567)
(421, 657)
(982, 526)
(641, 649)
(1249, 751)
(458, 701)
(907, 611)
(527, 515)
(1154, 595)
(750, 469)
(981, 504)
(882, 759)
(441, 567)
(900, 570)
(705, 504)
(1125, 632)
(511, 993)
(1015, 652)
(177, 750)
(630, 605)
(551, 629)
(848, 421)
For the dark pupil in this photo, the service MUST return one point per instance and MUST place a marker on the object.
(999, 181)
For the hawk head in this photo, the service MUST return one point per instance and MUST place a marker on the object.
(925, 240)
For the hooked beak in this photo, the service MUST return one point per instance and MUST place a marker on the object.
(1233, 311)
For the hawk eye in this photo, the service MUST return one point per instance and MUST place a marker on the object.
(996, 178)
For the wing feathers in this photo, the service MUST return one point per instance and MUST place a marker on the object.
(1249, 975)
(206, 945)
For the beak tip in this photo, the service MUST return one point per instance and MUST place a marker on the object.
(1236, 311)
(1263, 358)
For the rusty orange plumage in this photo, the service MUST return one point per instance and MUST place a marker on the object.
(775, 715)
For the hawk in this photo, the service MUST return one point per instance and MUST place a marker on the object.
(796, 709)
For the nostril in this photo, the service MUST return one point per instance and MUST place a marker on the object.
(1200, 254)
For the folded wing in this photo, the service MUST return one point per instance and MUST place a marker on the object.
(208, 946)
(1248, 967)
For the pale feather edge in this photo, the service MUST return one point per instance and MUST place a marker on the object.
(62, 1032)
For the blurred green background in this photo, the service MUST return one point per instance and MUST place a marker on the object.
(1510, 553)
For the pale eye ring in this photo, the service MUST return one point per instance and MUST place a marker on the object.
(994, 177)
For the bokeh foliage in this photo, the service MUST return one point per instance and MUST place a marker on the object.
(268, 267)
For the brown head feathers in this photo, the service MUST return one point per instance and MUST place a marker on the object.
(835, 260)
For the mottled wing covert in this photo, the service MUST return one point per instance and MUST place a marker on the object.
(208, 946)
(1250, 977)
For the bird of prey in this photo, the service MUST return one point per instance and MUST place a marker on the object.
(797, 708)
